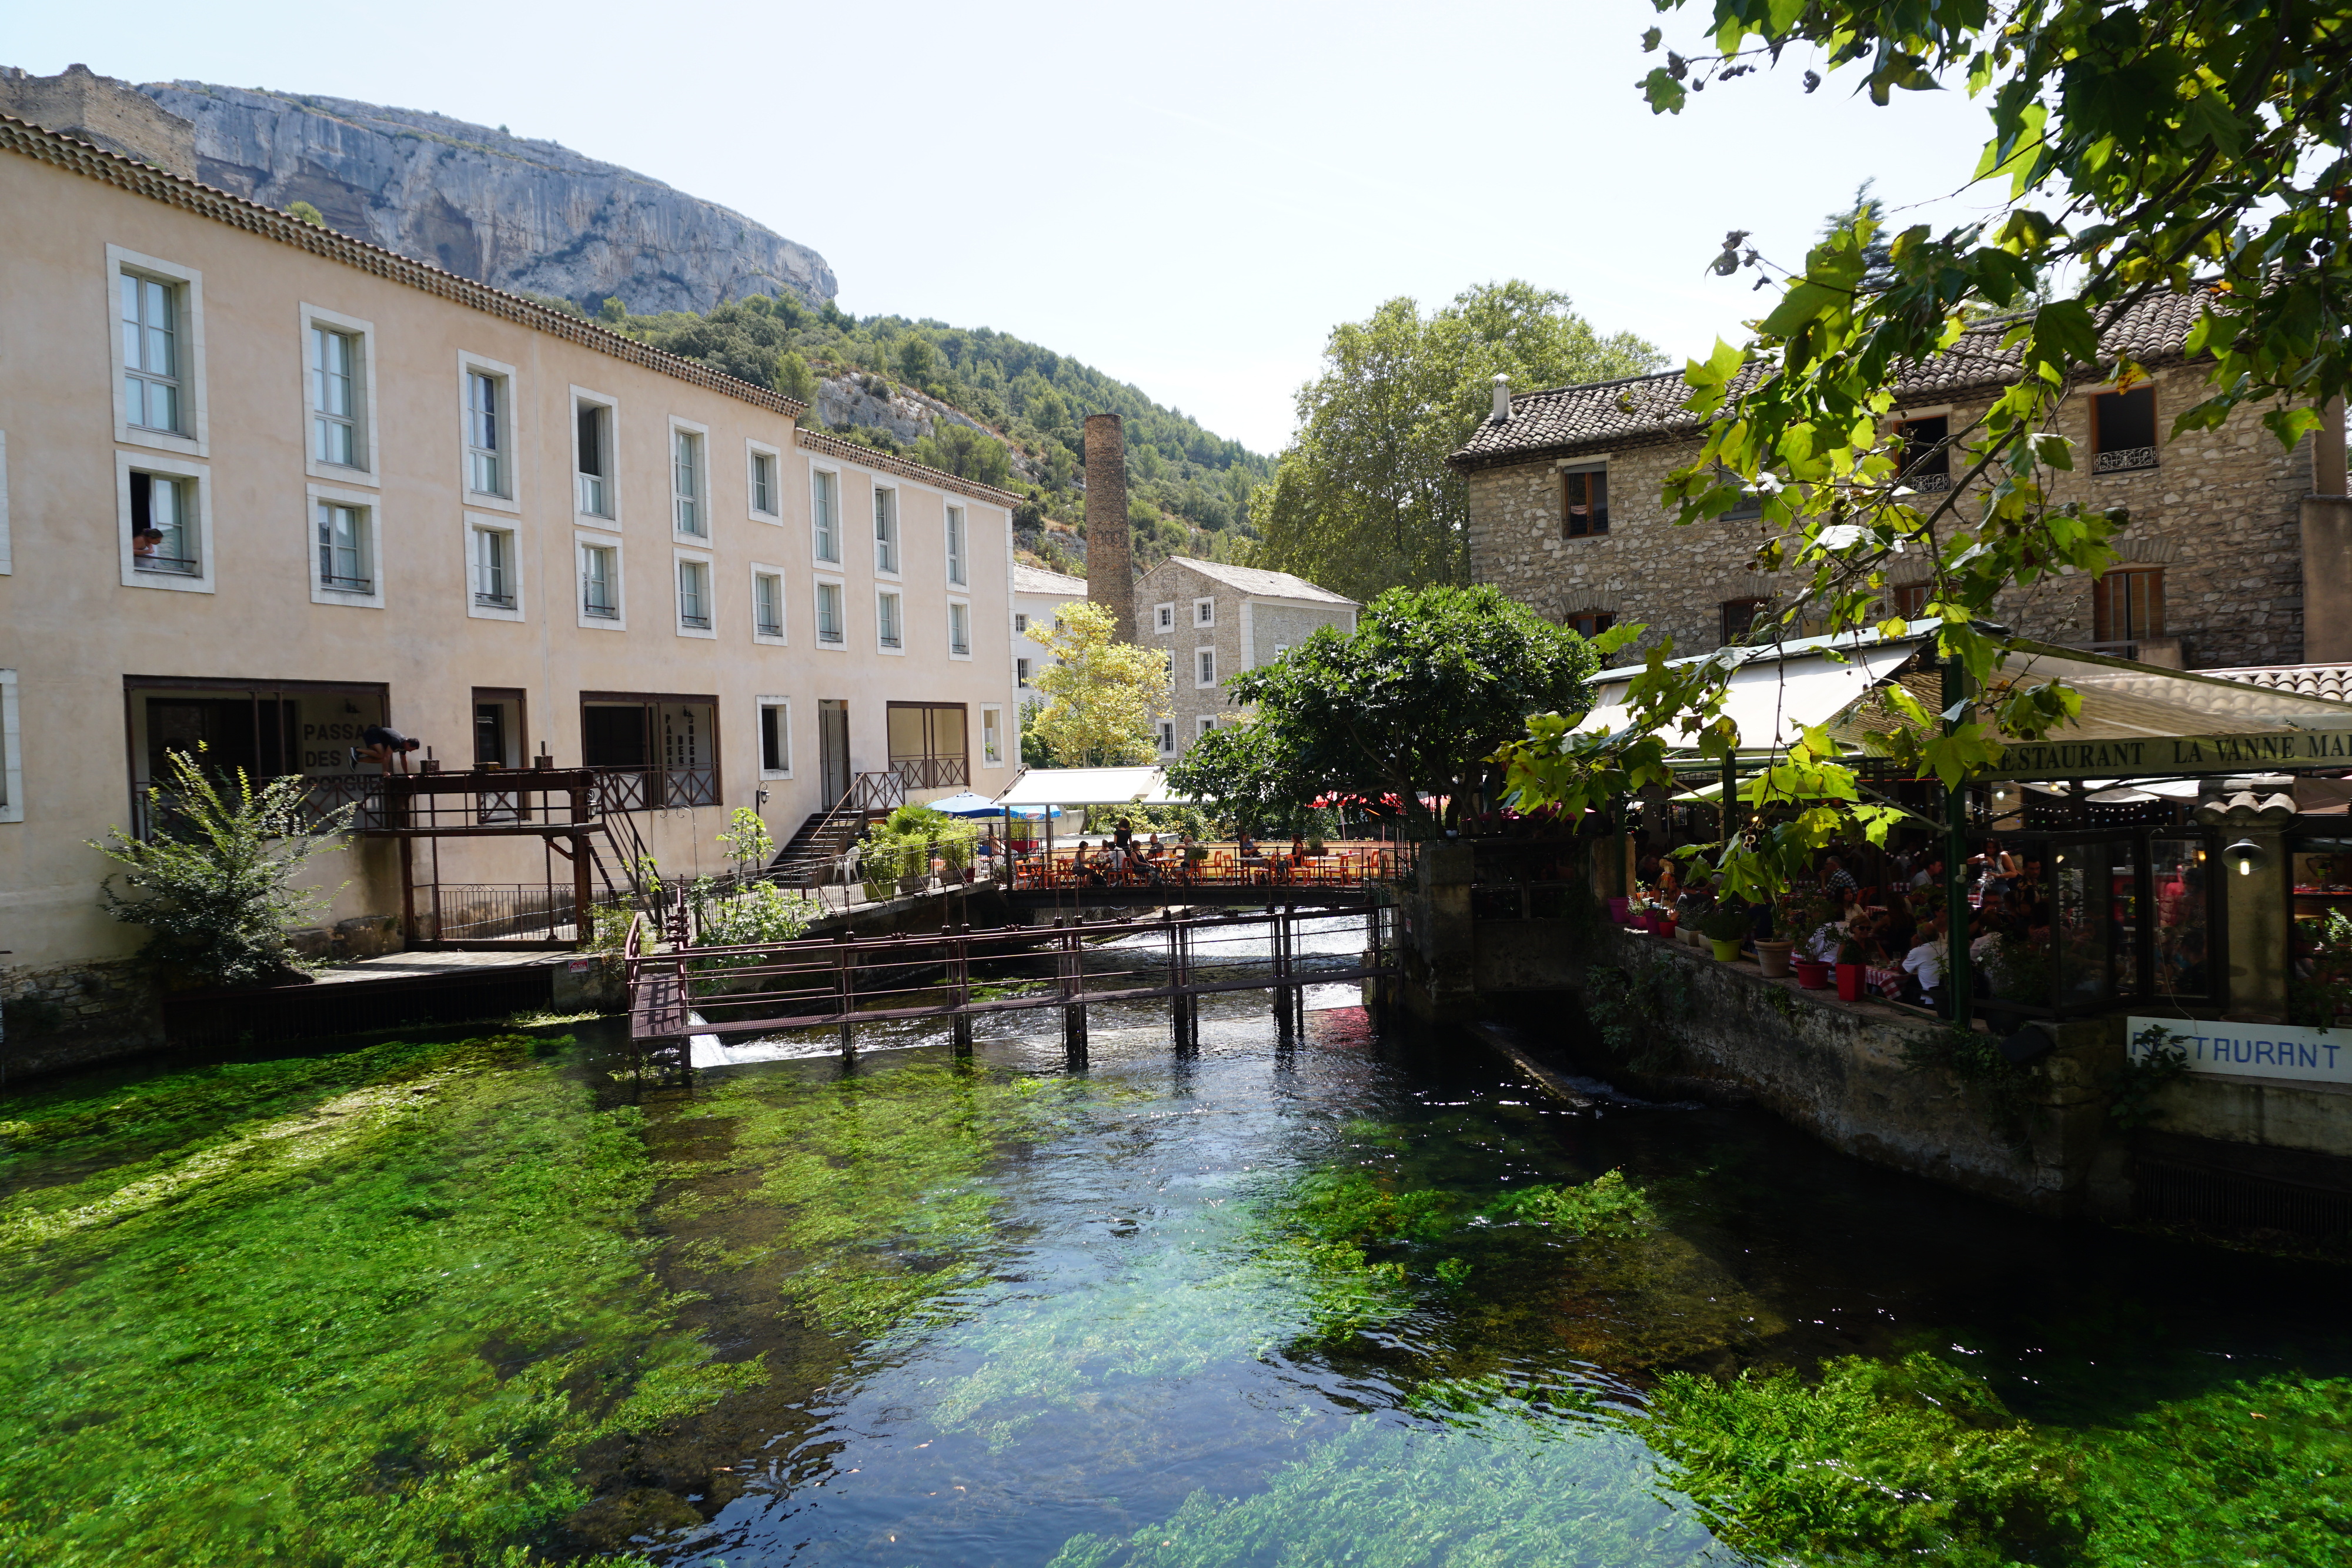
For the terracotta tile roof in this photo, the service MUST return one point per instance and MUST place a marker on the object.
(2333, 681)
(866, 456)
(1262, 584)
(1642, 409)
(81, 158)
(1038, 580)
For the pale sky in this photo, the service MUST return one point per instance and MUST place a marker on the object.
(1187, 197)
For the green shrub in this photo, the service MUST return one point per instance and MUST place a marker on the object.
(214, 880)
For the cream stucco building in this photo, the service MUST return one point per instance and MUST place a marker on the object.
(263, 485)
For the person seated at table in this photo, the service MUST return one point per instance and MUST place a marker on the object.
(1083, 869)
(1116, 860)
(1925, 965)
(1297, 850)
(1244, 847)
(1836, 877)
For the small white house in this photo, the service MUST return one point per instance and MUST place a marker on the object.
(1036, 594)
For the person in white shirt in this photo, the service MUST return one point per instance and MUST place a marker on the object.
(1925, 963)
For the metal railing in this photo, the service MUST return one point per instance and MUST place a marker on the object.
(494, 601)
(333, 584)
(2124, 460)
(321, 798)
(597, 612)
(172, 565)
(495, 912)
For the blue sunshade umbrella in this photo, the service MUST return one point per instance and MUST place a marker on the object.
(967, 805)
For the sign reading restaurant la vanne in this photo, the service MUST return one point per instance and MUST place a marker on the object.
(2164, 755)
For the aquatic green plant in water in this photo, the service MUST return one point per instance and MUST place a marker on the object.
(334, 1310)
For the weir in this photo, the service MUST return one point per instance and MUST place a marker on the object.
(693, 990)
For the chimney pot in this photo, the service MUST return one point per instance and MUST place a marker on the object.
(1502, 396)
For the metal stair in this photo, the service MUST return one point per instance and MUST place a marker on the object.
(812, 857)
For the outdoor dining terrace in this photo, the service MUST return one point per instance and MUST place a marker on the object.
(1351, 866)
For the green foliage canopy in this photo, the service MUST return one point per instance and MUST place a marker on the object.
(1102, 696)
(1431, 682)
(1363, 501)
(2194, 149)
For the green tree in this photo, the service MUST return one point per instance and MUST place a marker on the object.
(2196, 148)
(614, 311)
(967, 454)
(213, 880)
(307, 213)
(794, 379)
(1414, 701)
(918, 359)
(1103, 696)
(1363, 501)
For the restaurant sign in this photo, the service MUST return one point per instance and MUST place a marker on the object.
(2163, 757)
(2247, 1049)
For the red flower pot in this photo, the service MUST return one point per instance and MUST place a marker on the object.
(1849, 982)
(1811, 975)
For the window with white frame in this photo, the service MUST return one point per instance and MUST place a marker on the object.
(1020, 672)
(764, 482)
(337, 388)
(1166, 735)
(824, 514)
(12, 770)
(693, 594)
(1163, 617)
(156, 346)
(592, 458)
(600, 583)
(343, 546)
(959, 629)
(991, 738)
(155, 351)
(888, 629)
(689, 483)
(1202, 726)
(489, 432)
(830, 632)
(958, 573)
(1204, 666)
(767, 604)
(886, 529)
(167, 536)
(1204, 612)
(1020, 626)
(494, 570)
(1279, 650)
(775, 738)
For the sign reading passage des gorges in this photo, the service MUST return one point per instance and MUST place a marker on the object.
(2165, 755)
(2249, 1049)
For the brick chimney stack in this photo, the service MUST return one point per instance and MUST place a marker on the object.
(1110, 573)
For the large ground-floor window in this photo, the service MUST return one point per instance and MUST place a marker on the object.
(264, 731)
(929, 746)
(655, 749)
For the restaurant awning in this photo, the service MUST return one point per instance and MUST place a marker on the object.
(2139, 721)
(1778, 691)
(1090, 786)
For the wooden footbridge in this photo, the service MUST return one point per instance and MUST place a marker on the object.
(839, 983)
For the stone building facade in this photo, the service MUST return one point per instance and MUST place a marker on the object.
(1213, 621)
(2214, 555)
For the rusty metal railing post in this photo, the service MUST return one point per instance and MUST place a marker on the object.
(847, 995)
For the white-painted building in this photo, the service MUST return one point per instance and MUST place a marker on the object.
(1036, 594)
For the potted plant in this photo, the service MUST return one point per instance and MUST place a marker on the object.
(1850, 962)
(1772, 952)
(1619, 911)
(1725, 927)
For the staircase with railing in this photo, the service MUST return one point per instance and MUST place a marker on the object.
(812, 857)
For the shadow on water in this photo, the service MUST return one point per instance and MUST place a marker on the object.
(1270, 1300)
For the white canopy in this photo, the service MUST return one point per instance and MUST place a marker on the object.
(1090, 786)
(1772, 699)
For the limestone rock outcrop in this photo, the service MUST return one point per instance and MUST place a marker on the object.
(518, 214)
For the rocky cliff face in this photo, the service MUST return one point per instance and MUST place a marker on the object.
(517, 214)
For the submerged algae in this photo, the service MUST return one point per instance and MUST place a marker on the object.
(370, 1329)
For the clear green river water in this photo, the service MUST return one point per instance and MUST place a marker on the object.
(1343, 1300)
